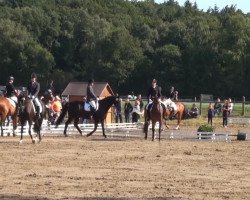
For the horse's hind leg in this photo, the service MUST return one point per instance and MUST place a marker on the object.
(76, 125)
(89, 134)
(66, 126)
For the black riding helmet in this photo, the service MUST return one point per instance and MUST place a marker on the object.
(91, 81)
(33, 75)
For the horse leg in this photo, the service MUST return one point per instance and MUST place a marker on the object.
(146, 124)
(76, 125)
(32, 139)
(103, 130)
(96, 124)
(66, 126)
(178, 121)
(14, 124)
(160, 125)
(153, 131)
(1, 129)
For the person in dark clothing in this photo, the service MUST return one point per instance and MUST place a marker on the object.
(210, 114)
(225, 110)
(33, 90)
(91, 97)
(154, 92)
(11, 92)
(118, 111)
(128, 108)
(173, 95)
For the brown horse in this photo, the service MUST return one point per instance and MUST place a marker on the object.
(28, 114)
(156, 115)
(179, 115)
(6, 110)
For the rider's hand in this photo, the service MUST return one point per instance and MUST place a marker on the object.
(33, 97)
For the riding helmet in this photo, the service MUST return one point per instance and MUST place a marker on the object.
(33, 75)
(11, 78)
(91, 81)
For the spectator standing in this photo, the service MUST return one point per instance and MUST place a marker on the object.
(217, 107)
(225, 111)
(128, 108)
(230, 106)
(173, 95)
(141, 102)
(135, 115)
(210, 114)
(118, 111)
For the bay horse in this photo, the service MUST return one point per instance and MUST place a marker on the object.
(28, 114)
(6, 110)
(180, 112)
(75, 110)
(156, 115)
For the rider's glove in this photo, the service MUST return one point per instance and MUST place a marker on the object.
(33, 97)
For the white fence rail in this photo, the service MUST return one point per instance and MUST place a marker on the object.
(131, 130)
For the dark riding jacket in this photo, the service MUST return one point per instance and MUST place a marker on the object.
(33, 89)
(90, 93)
(10, 90)
(154, 92)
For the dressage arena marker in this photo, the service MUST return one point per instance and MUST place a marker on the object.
(128, 130)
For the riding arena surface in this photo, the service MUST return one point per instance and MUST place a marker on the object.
(78, 167)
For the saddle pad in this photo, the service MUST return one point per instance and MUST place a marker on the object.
(12, 102)
(87, 106)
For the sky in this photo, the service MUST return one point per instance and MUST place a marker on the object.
(243, 5)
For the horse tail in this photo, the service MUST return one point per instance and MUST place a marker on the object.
(62, 115)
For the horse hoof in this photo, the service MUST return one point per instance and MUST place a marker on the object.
(33, 141)
(65, 135)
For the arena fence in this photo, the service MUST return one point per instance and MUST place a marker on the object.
(127, 130)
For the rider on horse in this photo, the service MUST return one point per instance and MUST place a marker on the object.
(33, 89)
(91, 97)
(11, 92)
(154, 92)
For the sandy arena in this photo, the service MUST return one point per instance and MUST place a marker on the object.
(121, 168)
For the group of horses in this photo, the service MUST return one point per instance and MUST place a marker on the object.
(75, 111)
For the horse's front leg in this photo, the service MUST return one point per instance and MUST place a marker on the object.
(103, 129)
(153, 131)
(14, 125)
(32, 139)
(76, 125)
(160, 128)
(178, 121)
(1, 128)
(146, 124)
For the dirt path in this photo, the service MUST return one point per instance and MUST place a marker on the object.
(121, 168)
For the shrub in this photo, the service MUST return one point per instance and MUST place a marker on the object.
(205, 128)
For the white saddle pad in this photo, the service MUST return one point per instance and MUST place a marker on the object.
(12, 102)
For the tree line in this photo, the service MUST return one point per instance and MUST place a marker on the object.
(127, 44)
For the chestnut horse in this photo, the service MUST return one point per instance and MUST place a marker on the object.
(180, 112)
(156, 115)
(6, 110)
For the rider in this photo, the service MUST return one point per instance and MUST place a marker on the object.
(11, 92)
(91, 97)
(154, 92)
(33, 89)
